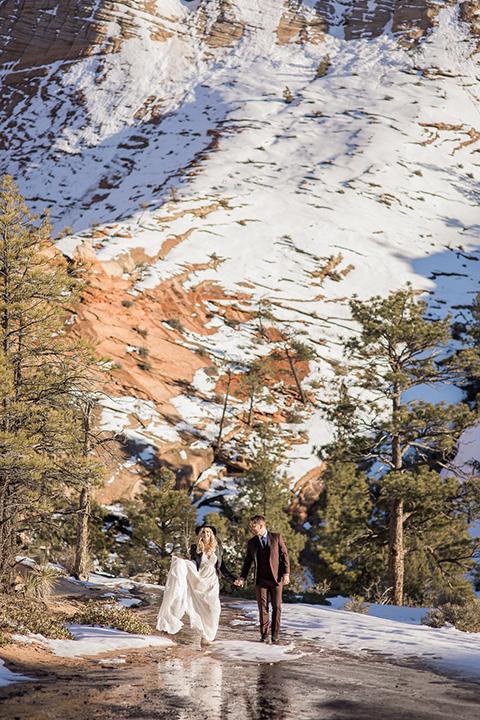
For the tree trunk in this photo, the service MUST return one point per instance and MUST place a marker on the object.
(222, 419)
(81, 548)
(8, 539)
(297, 381)
(250, 409)
(396, 553)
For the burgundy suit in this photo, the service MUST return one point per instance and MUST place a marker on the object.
(271, 564)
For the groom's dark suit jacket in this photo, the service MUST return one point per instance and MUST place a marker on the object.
(278, 560)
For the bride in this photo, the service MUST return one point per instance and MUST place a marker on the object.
(192, 587)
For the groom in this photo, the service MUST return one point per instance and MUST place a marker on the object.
(272, 567)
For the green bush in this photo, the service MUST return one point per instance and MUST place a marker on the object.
(31, 617)
(465, 616)
(322, 69)
(356, 604)
(40, 582)
(114, 617)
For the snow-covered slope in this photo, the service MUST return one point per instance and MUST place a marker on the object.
(232, 173)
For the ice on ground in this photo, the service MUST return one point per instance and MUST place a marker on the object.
(246, 651)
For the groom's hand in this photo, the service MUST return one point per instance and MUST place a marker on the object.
(240, 582)
(286, 579)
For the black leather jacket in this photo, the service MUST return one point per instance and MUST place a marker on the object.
(220, 566)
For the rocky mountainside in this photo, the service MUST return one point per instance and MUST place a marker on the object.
(232, 172)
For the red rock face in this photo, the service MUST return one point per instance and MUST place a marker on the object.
(42, 33)
(43, 38)
(36, 35)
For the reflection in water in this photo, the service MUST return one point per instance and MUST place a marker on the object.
(272, 694)
(193, 688)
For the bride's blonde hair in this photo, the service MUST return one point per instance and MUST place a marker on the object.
(209, 547)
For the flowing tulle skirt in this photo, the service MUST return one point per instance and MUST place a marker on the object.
(192, 592)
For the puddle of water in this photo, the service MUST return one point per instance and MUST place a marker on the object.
(205, 687)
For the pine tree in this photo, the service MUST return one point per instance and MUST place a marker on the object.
(254, 382)
(87, 470)
(264, 491)
(295, 351)
(322, 68)
(341, 544)
(162, 523)
(380, 419)
(41, 371)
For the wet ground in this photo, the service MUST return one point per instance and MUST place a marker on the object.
(190, 683)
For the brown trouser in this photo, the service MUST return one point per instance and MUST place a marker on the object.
(262, 590)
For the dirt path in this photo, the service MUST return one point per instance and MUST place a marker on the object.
(190, 683)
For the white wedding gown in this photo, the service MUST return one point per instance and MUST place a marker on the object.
(194, 592)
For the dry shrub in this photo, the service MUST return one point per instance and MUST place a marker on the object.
(356, 604)
(120, 618)
(176, 324)
(465, 617)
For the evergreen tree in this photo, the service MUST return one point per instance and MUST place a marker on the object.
(295, 351)
(41, 371)
(162, 522)
(380, 419)
(264, 491)
(341, 544)
(254, 381)
(86, 470)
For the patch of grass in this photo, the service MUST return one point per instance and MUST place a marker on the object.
(114, 617)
